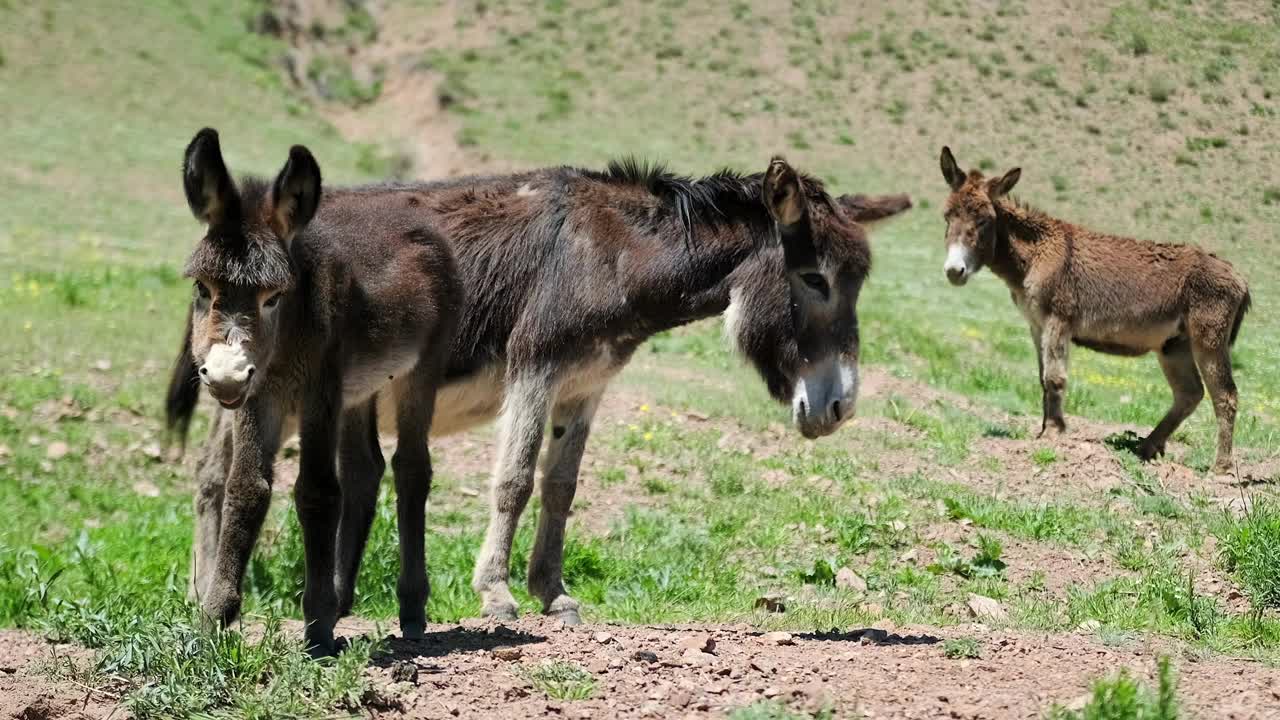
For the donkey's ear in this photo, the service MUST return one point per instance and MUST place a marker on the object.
(210, 192)
(950, 170)
(296, 193)
(1002, 185)
(784, 194)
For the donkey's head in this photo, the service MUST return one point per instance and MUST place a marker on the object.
(241, 268)
(805, 343)
(970, 213)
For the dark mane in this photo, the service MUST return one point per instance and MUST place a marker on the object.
(705, 198)
(244, 253)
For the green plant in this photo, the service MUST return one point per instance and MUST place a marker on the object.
(1251, 550)
(1123, 698)
(986, 563)
(962, 648)
(1044, 456)
(559, 680)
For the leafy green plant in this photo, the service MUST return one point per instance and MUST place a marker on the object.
(1123, 698)
(962, 648)
(986, 563)
(559, 680)
(1250, 549)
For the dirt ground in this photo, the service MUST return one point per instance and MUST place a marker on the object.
(471, 671)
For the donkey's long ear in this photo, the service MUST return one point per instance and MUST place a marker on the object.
(210, 192)
(785, 198)
(950, 170)
(296, 193)
(1002, 185)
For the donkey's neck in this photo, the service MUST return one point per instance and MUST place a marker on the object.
(1020, 231)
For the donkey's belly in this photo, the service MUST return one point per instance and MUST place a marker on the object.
(460, 405)
(366, 377)
(1131, 339)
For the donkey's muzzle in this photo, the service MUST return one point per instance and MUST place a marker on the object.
(228, 372)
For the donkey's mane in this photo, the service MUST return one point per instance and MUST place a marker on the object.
(239, 251)
(698, 198)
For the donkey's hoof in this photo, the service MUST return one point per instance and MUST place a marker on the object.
(1148, 451)
(501, 613)
(413, 630)
(321, 648)
(568, 616)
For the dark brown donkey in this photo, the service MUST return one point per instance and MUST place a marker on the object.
(568, 271)
(305, 306)
(1112, 294)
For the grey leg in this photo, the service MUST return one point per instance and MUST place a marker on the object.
(570, 427)
(524, 416)
(211, 478)
(1054, 346)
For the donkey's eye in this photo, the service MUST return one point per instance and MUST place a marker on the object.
(815, 281)
(272, 301)
(202, 290)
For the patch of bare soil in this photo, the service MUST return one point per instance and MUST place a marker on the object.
(27, 694)
(475, 671)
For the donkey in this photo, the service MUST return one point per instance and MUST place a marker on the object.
(1111, 294)
(568, 271)
(304, 307)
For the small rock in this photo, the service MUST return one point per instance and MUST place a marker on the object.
(778, 637)
(771, 692)
(986, 609)
(696, 658)
(508, 653)
(681, 698)
(1089, 626)
(57, 450)
(701, 642)
(849, 580)
(152, 451)
(602, 637)
(404, 671)
(103, 365)
(763, 666)
(468, 491)
(616, 663)
(771, 603)
(909, 556)
(146, 488)
(647, 656)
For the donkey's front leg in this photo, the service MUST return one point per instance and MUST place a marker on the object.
(360, 470)
(317, 498)
(524, 416)
(570, 427)
(256, 437)
(415, 403)
(1055, 339)
(211, 481)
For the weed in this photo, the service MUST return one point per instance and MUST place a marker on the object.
(985, 564)
(1044, 456)
(1123, 698)
(559, 680)
(962, 648)
(1160, 88)
(1044, 76)
(1059, 183)
(1271, 196)
(1251, 550)
(774, 710)
(1201, 144)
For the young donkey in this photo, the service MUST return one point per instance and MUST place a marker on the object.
(305, 307)
(1112, 294)
(567, 272)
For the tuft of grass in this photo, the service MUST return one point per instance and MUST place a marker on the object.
(962, 648)
(986, 563)
(1271, 196)
(1251, 551)
(1044, 456)
(774, 710)
(559, 680)
(1123, 698)
(1160, 88)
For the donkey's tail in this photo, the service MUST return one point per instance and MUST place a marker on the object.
(184, 392)
(867, 209)
(1244, 308)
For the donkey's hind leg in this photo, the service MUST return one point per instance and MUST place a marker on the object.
(1179, 365)
(415, 396)
(1214, 362)
(570, 427)
(360, 469)
(211, 478)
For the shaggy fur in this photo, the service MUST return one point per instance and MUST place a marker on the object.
(1111, 294)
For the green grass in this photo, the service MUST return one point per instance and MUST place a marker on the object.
(773, 710)
(1250, 547)
(1123, 698)
(559, 680)
(963, 648)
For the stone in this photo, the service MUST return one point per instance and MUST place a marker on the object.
(508, 653)
(986, 609)
(777, 637)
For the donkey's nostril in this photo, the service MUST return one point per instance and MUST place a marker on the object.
(204, 371)
(835, 410)
(250, 370)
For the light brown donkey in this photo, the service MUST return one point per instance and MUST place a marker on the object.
(1112, 294)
